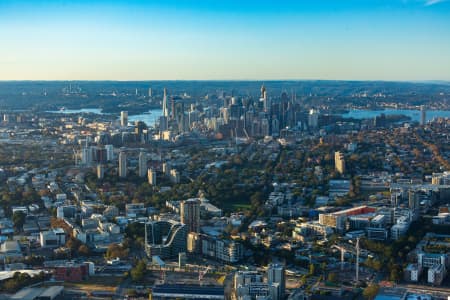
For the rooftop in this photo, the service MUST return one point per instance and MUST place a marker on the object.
(188, 289)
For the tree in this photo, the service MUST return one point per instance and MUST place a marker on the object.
(332, 277)
(139, 271)
(395, 273)
(311, 269)
(116, 251)
(73, 244)
(19, 219)
(83, 250)
(135, 230)
(371, 291)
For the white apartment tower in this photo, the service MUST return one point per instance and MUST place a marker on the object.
(151, 177)
(276, 279)
(190, 214)
(142, 164)
(122, 164)
(123, 118)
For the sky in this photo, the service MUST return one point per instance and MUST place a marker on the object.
(404, 40)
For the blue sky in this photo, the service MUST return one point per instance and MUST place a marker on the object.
(210, 39)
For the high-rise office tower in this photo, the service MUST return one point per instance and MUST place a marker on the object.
(275, 127)
(123, 118)
(174, 176)
(109, 152)
(276, 279)
(265, 100)
(142, 164)
(150, 93)
(190, 214)
(166, 168)
(122, 164)
(339, 162)
(86, 156)
(263, 91)
(172, 109)
(313, 118)
(151, 177)
(165, 110)
(100, 171)
(414, 200)
(423, 115)
(265, 127)
(163, 123)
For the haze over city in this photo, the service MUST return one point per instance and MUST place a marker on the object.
(214, 40)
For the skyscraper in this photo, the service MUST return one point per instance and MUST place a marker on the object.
(264, 99)
(276, 279)
(190, 214)
(122, 164)
(151, 177)
(423, 115)
(109, 152)
(166, 168)
(174, 176)
(165, 111)
(123, 118)
(142, 164)
(163, 123)
(100, 171)
(86, 156)
(339, 162)
(313, 118)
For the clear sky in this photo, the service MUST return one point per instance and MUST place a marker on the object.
(225, 39)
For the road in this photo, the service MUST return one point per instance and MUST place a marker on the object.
(436, 291)
(122, 288)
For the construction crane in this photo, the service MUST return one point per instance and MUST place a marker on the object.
(357, 259)
(163, 275)
(342, 249)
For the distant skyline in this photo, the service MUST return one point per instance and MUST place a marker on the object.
(401, 40)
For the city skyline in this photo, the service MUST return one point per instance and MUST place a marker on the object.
(203, 40)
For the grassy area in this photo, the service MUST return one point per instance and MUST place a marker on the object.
(232, 206)
(240, 206)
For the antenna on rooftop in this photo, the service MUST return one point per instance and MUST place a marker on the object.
(357, 259)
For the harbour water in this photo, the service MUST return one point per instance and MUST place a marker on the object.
(96, 111)
(149, 117)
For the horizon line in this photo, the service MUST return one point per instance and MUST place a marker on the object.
(429, 81)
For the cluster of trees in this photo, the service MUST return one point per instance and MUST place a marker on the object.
(371, 291)
(19, 196)
(139, 271)
(24, 155)
(392, 256)
(135, 234)
(20, 280)
(77, 248)
(18, 219)
(116, 251)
